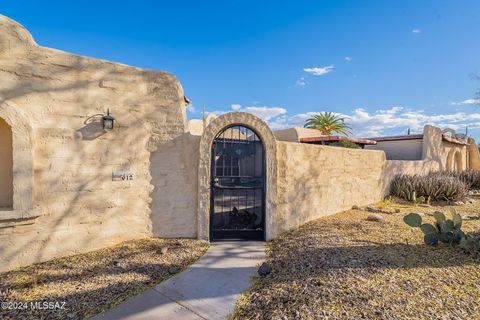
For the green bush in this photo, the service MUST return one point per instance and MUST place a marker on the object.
(345, 144)
(434, 186)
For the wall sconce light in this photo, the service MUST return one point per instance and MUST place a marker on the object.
(108, 121)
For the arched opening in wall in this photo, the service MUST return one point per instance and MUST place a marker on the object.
(6, 166)
(458, 163)
(450, 161)
(238, 182)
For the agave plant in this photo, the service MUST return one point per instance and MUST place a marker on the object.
(327, 123)
(433, 186)
(470, 177)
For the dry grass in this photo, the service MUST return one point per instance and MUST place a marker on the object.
(344, 267)
(94, 282)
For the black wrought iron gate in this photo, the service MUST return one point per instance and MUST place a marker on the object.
(238, 185)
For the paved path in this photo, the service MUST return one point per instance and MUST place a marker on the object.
(208, 289)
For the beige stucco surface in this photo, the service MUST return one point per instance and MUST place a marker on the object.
(174, 167)
(315, 180)
(473, 155)
(63, 159)
(450, 156)
(400, 150)
(6, 165)
(295, 134)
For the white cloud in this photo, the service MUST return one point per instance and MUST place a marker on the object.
(236, 107)
(301, 82)
(386, 121)
(417, 31)
(348, 59)
(466, 102)
(266, 113)
(319, 71)
(393, 120)
(191, 108)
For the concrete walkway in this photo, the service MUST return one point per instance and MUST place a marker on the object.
(208, 289)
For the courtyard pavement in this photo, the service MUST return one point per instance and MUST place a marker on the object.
(208, 289)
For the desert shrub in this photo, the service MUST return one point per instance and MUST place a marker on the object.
(345, 144)
(434, 186)
(470, 177)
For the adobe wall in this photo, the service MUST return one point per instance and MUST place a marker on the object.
(400, 150)
(174, 173)
(295, 134)
(315, 180)
(447, 154)
(473, 155)
(65, 201)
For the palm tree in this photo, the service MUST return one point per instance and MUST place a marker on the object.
(326, 123)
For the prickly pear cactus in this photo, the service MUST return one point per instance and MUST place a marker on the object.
(439, 216)
(457, 219)
(445, 230)
(428, 228)
(413, 220)
(431, 239)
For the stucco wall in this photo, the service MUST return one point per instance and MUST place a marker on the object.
(400, 150)
(53, 101)
(447, 154)
(315, 180)
(473, 155)
(6, 165)
(175, 177)
(295, 134)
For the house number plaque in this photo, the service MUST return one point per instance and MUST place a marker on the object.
(122, 176)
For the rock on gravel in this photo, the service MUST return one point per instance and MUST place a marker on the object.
(264, 269)
(373, 209)
(119, 264)
(375, 217)
(173, 270)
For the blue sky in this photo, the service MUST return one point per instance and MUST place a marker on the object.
(386, 65)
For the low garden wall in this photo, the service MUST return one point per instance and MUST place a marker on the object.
(314, 180)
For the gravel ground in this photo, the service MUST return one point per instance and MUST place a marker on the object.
(345, 267)
(94, 282)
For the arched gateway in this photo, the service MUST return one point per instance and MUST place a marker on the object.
(237, 208)
(237, 179)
